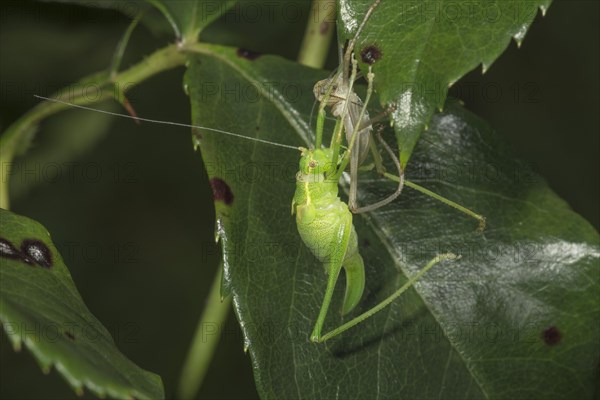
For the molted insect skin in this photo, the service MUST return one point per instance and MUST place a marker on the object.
(337, 98)
(321, 218)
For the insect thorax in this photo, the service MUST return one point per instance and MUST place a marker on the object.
(315, 181)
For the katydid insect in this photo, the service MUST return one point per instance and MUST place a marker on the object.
(324, 221)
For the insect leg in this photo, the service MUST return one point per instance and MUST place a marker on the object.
(319, 127)
(334, 265)
(400, 181)
(377, 160)
(390, 299)
(355, 131)
(355, 149)
(352, 203)
(480, 218)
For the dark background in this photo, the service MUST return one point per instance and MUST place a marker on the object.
(133, 214)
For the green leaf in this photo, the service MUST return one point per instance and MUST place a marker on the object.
(153, 18)
(265, 26)
(130, 8)
(40, 306)
(515, 317)
(426, 46)
(185, 18)
(188, 18)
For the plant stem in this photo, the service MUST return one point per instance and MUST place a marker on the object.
(206, 338)
(318, 34)
(122, 46)
(161, 60)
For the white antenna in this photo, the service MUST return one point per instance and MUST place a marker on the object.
(157, 121)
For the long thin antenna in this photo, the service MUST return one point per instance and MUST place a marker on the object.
(157, 121)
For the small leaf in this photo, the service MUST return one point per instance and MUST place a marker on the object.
(40, 306)
(188, 18)
(515, 317)
(423, 47)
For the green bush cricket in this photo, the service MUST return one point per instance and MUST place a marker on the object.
(324, 221)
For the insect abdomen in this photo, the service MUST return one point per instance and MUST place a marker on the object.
(319, 218)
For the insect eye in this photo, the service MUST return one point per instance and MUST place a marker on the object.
(312, 164)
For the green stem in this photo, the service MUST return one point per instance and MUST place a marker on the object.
(206, 338)
(161, 60)
(122, 46)
(318, 34)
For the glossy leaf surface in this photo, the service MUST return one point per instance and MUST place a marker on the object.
(419, 48)
(514, 318)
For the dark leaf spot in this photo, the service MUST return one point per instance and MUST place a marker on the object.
(37, 251)
(248, 54)
(69, 335)
(324, 28)
(8, 250)
(370, 54)
(221, 191)
(551, 336)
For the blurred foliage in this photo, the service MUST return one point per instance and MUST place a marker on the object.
(152, 213)
(42, 311)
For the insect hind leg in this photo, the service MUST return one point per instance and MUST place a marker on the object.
(369, 313)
